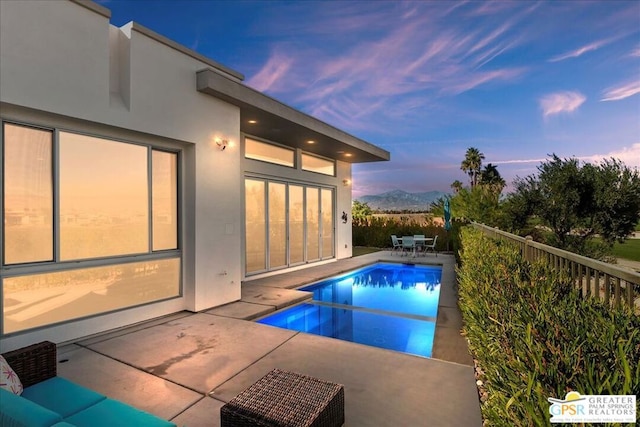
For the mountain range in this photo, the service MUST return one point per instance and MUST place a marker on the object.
(399, 200)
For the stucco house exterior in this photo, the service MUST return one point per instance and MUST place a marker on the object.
(140, 178)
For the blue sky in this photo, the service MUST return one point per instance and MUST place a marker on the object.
(425, 80)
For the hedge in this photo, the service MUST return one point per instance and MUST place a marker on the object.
(376, 232)
(533, 336)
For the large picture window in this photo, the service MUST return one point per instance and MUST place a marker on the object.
(89, 225)
(286, 224)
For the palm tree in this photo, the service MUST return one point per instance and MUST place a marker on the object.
(456, 186)
(472, 163)
(491, 178)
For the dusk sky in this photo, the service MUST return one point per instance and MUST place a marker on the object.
(425, 80)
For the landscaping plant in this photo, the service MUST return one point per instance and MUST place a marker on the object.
(376, 232)
(534, 336)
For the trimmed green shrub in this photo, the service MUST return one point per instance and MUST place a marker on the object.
(535, 337)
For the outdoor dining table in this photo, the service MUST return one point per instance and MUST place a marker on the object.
(417, 241)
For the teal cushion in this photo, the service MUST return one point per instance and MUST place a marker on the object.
(63, 424)
(16, 411)
(112, 413)
(62, 396)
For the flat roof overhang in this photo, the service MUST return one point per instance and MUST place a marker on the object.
(280, 123)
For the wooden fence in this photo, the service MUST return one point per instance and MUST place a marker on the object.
(608, 282)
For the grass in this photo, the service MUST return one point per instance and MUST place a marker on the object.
(363, 250)
(630, 249)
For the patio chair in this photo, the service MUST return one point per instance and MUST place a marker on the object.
(397, 246)
(418, 241)
(432, 246)
(408, 244)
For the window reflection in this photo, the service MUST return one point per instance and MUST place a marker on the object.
(318, 165)
(277, 225)
(43, 299)
(104, 204)
(255, 225)
(165, 200)
(268, 153)
(296, 224)
(327, 223)
(298, 220)
(313, 224)
(28, 195)
(105, 209)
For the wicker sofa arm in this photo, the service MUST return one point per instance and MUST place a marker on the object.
(34, 363)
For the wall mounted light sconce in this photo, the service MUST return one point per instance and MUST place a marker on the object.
(222, 143)
(346, 182)
(345, 217)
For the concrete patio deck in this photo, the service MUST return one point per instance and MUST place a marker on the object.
(184, 367)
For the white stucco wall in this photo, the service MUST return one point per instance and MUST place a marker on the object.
(343, 230)
(64, 66)
(56, 59)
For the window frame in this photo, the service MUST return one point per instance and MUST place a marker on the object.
(93, 261)
(56, 264)
(315, 156)
(293, 164)
(305, 255)
(3, 234)
(148, 173)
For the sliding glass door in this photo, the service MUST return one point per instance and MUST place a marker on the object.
(255, 225)
(326, 218)
(286, 224)
(296, 224)
(313, 224)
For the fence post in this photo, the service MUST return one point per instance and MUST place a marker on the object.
(527, 248)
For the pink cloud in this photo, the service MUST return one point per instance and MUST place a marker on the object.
(621, 92)
(517, 161)
(630, 156)
(561, 102)
(413, 53)
(580, 51)
(481, 78)
(271, 74)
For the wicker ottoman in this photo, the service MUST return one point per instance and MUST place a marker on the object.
(286, 399)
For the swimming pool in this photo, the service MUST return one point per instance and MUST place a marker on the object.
(385, 305)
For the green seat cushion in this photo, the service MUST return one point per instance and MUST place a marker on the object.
(62, 396)
(16, 411)
(112, 413)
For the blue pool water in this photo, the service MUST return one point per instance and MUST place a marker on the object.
(392, 306)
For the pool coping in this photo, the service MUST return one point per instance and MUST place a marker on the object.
(266, 295)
